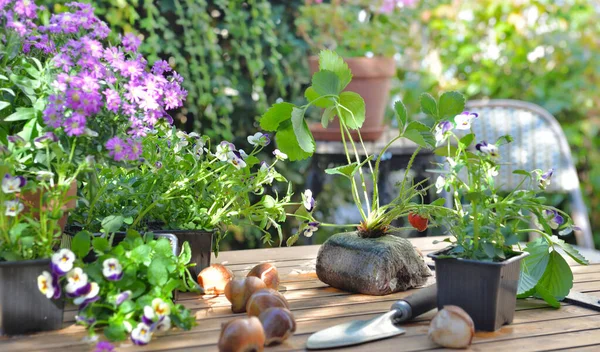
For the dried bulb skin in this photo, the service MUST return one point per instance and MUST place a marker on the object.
(214, 278)
(264, 299)
(238, 291)
(268, 273)
(242, 335)
(452, 327)
(278, 323)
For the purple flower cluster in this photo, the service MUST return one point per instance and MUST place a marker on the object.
(97, 86)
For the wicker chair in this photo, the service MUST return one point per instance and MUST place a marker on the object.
(539, 143)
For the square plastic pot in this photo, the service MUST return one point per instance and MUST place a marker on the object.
(487, 291)
(23, 308)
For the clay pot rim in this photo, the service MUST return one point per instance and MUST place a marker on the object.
(364, 67)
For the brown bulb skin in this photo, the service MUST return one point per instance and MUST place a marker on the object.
(278, 323)
(238, 292)
(264, 299)
(214, 278)
(268, 273)
(242, 335)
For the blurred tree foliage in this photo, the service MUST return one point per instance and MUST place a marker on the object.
(237, 57)
(543, 51)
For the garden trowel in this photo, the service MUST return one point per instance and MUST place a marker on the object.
(381, 327)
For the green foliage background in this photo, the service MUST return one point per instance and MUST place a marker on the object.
(479, 47)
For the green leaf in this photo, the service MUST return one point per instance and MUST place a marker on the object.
(347, 170)
(355, 103)
(303, 135)
(21, 114)
(327, 116)
(163, 247)
(115, 332)
(81, 244)
(474, 196)
(100, 244)
(420, 134)
(451, 104)
(571, 252)
(534, 265)
(467, 140)
(4, 104)
(287, 143)
(402, 114)
(313, 97)
(521, 172)
(112, 223)
(489, 249)
(428, 105)
(186, 253)
(326, 82)
(141, 254)
(547, 296)
(329, 60)
(276, 114)
(269, 202)
(157, 272)
(126, 307)
(292, 239)
(557, 278)
(439, 202)
(16, 230)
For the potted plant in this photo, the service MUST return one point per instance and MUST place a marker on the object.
(348, 260)
(57, 96)
(367, 35)
(190, 188)
(485, 267)
(127, 290)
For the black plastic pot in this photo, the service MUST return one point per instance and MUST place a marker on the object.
(200, 244)
(485, 290)
(23, 308)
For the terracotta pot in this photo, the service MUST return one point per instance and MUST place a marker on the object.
(372, 79)
(32, 200)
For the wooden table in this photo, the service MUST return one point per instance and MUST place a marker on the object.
(316, 306)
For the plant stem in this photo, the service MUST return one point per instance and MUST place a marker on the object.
(355, 193)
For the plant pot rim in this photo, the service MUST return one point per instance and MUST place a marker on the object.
(437, 256)
(27, 262)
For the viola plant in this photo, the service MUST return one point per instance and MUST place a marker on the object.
(487, 225)
(327, 91)
(185, 182)
(127, 290)
(355, 28)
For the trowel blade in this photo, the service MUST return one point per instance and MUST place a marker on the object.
(355, 332)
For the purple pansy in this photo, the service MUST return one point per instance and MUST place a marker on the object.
(122, 297)
(77, 283)
(311, 228)
(555, 220)
(142, 334)
(463, 121)
(308, 200)
(13, 184)
(487, 148)
(112, 269)
(62, 262)
(104, 346)
(544, 179)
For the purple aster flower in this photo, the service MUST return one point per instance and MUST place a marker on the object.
(132, 69)
(118, 149)
(26, 8)
(45, 139)
(131, 42)
(75, 124)
(63, 62)
(113, 100)
(52, 116)
(160, 67)
(92, 47)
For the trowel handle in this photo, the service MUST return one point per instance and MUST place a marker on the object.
(416, 304)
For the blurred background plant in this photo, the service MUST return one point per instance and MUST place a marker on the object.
(543, 51)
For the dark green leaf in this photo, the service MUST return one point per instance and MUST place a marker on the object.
(276, 114)
(16, 231)
(547, 296)
(557, 278)
(81, 244)
(100, 244)
(157, 272)
(186, 253)
(126, 307)
(287, 143)
(326, 82)
(329, 60)
(474, 196)
(420, 134)
(439, 202)
(402, 114)
(356, 116)
(141, 254)
(489, 249)
(451, 104)
(467, 140)
(303, 135)
(115, 332)
(429, 105)
(347, 170)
